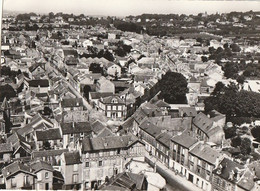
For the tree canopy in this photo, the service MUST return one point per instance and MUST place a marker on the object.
(173, 87)
(233, 103)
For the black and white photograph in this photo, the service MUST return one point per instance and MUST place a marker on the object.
(130, 95)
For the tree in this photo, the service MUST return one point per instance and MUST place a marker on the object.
(230, 132)
(46, 145)
(234, 103)
(245, 146)
(235, 48)
(256, 133)
(47, 111)
(241, 79)
(95, 68)
(51, 15)
(204, 58)
(6, 91)
(173, 87)
(86, 91)
(236, 142)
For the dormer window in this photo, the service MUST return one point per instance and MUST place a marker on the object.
(114, 100)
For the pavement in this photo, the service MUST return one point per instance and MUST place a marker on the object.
(176, 182)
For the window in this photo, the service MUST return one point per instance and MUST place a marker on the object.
(75, 167)
(199, 162)
(82, 134)
(13, 183)
(26, 180)
(114, 100)
(75, 178)
(175, 147)
(223, 184)
(114, 107)
(119, 107)
(119, 114)
(108, 107)
(198, 169)
(100, 163)
(71, 135)
(46, 175)
(197, 181)
(87, 164)
(218, 181)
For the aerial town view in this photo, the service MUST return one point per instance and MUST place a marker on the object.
(130, 95)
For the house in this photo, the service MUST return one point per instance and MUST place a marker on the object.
(71, 169)
(163, 142)
(6, 151)
(113, 69)
(52, 157)
(38, 86)
(37, 122)
(187, 112)
(21, 148)
(71, 104)
(227, 175)
(206, 129)
(95, 96)
(19, 176)
(113, 107)
(106, 156)
(48, 139)
(72, 132)
(44, 173)
(180, 146)
(126, 181)
(104, 85)
(148, 132)
(37, 69)
(202, 161)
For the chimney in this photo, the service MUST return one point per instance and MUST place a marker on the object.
(231, 175)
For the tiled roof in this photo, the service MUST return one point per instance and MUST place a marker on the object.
(41, 165)
(97, 126)
(206, 153)
(41, 83)
(6, 148)
(106, 143)
(98, 95)
(184, 140)
(50, 134)
(72, 102)
(14, 168)
(108, 100)
(203, 122)
(165, 139)
(188, 111)
(76, 127)
(150, 128)
(72, 158)
(46, 153)
(226, 167)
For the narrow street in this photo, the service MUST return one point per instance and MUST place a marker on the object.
(174, 182)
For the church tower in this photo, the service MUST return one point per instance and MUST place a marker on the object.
(5, 110)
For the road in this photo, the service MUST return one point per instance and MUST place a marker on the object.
(174, 182)
(74, 91)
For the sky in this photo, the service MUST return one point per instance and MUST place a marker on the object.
(130, 7)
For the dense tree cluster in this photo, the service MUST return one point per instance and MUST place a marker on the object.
(233, 103)
(122, 49)
(173, 87)
(128, 26)
(6, 91)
